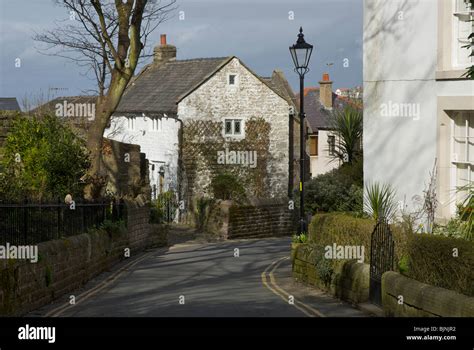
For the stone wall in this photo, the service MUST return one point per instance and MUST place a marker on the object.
(67, 264)
(127, 169)
(349, 280)
(260, 220)
(263, 218)
(422, 300)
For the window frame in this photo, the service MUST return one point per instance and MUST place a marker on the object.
(331, 145)
(156, 125)
(314, 140)
(131, 123)
(236, 80)
(467, 163)
(456, 40)
(232, 134)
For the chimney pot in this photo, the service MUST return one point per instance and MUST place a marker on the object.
(164, 53)
(325, 91)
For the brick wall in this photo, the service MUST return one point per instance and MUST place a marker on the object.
(66, 264)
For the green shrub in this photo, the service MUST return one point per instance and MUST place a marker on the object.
(453, 228)
(158, 206)
(201, 212)
(324, 267)
(466, 213)
(227, 186)
(403, 264)
(432, 260)
(42, 160)
(301, 238)
(114, 228)
(337, 190)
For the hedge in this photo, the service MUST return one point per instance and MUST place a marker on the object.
(343, 229)
(432, 260)
(423, 257)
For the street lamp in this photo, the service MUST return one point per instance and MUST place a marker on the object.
(301, 53)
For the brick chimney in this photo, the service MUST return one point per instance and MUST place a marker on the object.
(325, 91)
(164, 52)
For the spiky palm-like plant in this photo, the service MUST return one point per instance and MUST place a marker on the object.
(347, 123)
(379, 202)
(467, 212)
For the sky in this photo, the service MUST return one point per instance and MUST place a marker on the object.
(259, 32)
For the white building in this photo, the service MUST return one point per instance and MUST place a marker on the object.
(418, 108)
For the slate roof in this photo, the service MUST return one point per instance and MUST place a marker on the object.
(9, 104)
(318, 117)
(50, 106)
(80, 124)
(156, 89)
(279, 84)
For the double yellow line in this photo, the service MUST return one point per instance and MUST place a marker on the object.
(272, 285)
(93, 291)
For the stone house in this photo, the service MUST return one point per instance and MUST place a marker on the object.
(198, 118)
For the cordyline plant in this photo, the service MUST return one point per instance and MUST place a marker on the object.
(379, 202)
(466, 212)
(107, 38)
(347, 123)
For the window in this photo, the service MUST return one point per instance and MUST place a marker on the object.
(463, 26)
(313, 145)
(131, 121)
(233, 127)
(156, 124)
(332, 144)
(232, 79)
(462, 146)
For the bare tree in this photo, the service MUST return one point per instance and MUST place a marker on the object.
(107, 38)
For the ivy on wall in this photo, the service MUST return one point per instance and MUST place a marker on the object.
(202, 140)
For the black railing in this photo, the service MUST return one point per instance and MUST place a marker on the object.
(31, 223)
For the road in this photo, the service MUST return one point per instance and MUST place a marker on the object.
(200, 280)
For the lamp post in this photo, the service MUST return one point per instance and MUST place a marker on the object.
(301, 53)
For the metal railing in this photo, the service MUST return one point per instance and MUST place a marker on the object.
(30, 223)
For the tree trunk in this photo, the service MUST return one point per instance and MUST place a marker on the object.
(106, 105)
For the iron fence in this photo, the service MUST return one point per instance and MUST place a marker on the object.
(31, 223)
